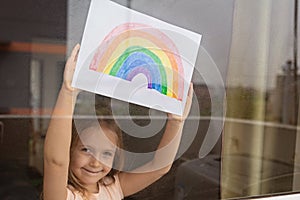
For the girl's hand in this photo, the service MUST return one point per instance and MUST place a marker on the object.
(187, 107)
(69, 70)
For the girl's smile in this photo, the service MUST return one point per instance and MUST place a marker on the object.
(92, 172)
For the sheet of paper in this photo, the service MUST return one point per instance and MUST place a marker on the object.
(136, 58)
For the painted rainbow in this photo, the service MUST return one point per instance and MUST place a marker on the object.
(131, 49)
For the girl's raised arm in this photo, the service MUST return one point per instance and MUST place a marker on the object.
(164, 157)
(58, 137)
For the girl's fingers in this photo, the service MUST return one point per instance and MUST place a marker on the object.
(74, 54)
(70, 68)
(188, 103)
(73, 57)
(191, 90)
(187, 106)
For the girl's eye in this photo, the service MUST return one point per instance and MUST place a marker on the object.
(108, 154)
(86, 150)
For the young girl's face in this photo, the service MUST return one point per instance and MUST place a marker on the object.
(93, 156)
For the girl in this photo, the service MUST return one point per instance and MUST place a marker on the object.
(82, 167)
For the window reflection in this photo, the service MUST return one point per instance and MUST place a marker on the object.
(260, 141)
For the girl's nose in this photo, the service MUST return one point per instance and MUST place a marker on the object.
(94, 162)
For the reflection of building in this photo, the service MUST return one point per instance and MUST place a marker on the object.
(282, 99)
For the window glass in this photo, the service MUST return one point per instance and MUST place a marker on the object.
(241, 138)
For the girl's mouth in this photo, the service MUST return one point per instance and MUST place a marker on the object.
(92, 171)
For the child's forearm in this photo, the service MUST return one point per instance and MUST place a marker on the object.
(172, 132)
(58, 137)
(169, 144)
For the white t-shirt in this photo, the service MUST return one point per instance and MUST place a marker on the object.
(110, 192)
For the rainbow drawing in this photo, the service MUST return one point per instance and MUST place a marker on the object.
(133, 48)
